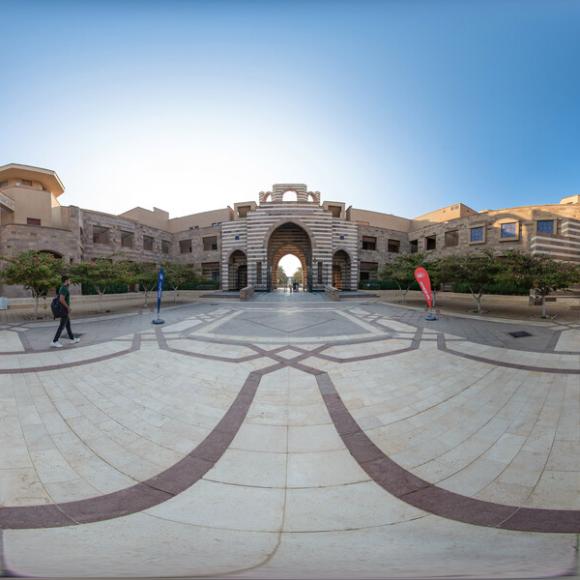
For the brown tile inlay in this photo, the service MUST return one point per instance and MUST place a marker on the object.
(426, 496)
(149, 493)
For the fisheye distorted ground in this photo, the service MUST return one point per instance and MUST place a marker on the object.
(290, 437)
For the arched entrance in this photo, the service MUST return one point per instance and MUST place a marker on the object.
(289, 238)
(238, 271)
(341, 270)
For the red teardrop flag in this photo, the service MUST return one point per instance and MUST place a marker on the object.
(422, 277)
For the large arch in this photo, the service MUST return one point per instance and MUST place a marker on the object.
(237, 270)
(289, 238)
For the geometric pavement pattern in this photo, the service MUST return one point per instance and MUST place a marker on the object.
(311, 439)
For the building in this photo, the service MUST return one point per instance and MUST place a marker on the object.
(337, 245)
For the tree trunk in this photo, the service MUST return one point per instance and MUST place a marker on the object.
(146, 298)
(175, 295)
(544, 308)
(477, 299)
(101, 307)
(36, 302)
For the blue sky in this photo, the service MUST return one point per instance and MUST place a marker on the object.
(398, 106)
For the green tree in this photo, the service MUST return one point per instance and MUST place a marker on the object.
(144, 274)
(401, 271)
(38, 272)
(101, 274)
(540, 273)
(178, 275)
(282, 277)
(298, 276)
(477, 271)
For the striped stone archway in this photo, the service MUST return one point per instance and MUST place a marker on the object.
(289, 238)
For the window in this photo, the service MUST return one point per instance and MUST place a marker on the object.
(210, 243)
(165, 246)
(477, 235)
(26, 182)
(243, 211)
(148, 243)
(394, 246)
(127, 239)
(368, 271)
(101, 235)
(3, 183)
(369, 243)
(258, 272)
(414, 246)
(319, 273)
(185, 246)
(211, 271)
(431, 242)
(508, 231)
(545, 227)
(335, 210)
(33, 221)
(452, 238)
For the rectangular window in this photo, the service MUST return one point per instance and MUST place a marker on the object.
(210, 243)
(477, 234)
(414, 246)
(185, 246)
(258, 272)
(394, 246)
(243, 211)
(508, 231)
(319, 273)
(33, 221)
(26, 182)
(368, 271)
(211, 271)
(335, 210)
(148, 243)
(369, 243)
(545, 227)
(451, 238)
(127, 239)
(165, 246)
(431, 242)
(101, 235)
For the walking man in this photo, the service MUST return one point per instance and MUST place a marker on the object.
(64, 300)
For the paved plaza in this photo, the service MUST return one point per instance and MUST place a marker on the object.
(290, 436)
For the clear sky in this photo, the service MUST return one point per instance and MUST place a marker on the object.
(398, 106)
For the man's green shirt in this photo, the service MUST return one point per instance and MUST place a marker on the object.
(63, 291)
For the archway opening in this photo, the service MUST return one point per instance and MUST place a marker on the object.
(237, 271)
(289, 239)
(290, 271)
(341, 269)
(290, 196)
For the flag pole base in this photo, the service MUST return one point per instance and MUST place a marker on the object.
(430, 316)
(158, 321)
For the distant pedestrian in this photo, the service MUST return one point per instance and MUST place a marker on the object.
(64, 314)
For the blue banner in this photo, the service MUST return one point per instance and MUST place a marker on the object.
(160, 279)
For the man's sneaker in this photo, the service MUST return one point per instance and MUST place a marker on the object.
(56, 344)
(75, 339)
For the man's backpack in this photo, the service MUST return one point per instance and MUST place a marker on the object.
(57, 308)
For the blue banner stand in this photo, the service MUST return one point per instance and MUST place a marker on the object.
(160, 278)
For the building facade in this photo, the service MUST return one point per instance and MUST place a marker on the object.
(336, 245)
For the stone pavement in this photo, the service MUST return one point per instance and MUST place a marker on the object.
(290, 437)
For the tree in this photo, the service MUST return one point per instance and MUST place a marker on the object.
(298, 276)
(401, 271)
(144, 274)
(477, 271)
(178, 275)
(38, 272)
(540, 273)
(282, 277)
(101, 274)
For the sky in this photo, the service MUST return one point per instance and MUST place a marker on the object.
(399, 106)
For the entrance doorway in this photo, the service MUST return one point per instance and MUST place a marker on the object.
(238, 271)
(289, 238)
(341, 270)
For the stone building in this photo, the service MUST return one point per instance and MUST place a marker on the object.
(336, 245)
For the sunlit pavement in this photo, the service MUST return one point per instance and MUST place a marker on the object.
(290, 437)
